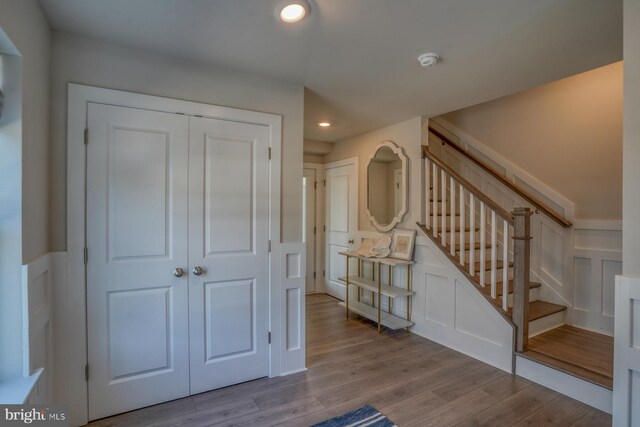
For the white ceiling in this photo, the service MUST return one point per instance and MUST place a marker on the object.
(357, 58)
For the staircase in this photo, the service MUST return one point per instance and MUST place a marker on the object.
(489, 245)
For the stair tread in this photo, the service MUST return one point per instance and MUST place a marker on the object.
(456, 228)
(532, 285)
(487, 288)
(569, 368)
(580, 347)
(539, 309)
(487, 265)
(476, 245)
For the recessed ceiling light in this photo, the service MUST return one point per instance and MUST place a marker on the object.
(324, 124)
(290, 11)
(428, 59)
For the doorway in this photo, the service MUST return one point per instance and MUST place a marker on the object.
(341, 221)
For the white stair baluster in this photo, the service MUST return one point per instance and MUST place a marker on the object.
(483, 239)
(463, 212)
(494, 261)
(452, 221)
(434, 219)
(427, 182)
(443, 207)
(472, 233)
(505, 263)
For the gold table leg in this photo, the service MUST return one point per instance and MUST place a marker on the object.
(347, 293)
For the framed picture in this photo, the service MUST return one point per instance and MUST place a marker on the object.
(402, 242)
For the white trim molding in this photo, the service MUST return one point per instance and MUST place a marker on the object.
(75, 358)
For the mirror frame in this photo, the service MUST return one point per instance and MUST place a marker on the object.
(397, 150)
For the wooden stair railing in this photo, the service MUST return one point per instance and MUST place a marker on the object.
(451, 202)
(539, 204)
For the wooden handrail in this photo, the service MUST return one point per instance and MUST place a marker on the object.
(499, 210)
(539, 204)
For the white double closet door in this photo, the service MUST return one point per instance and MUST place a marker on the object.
(164, 192)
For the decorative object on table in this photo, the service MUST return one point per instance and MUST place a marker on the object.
(364, 416)
(378, 247)
(402, 243)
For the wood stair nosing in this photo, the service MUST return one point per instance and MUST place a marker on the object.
(569, 368)
(467, 229)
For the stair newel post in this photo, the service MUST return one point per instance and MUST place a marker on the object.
(521, 271)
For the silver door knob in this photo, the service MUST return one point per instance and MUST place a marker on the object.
(178, 272)
(351, 241)
(198, 270)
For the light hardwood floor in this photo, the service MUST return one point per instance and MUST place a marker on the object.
(414, 381)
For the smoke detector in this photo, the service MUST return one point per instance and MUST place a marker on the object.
(428, 59)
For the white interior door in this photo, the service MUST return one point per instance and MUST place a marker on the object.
(137, 325)
(228, 239)
(341, 222)
(310, 227)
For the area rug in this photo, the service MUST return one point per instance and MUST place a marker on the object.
(366, 416)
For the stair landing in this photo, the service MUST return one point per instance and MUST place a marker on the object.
(578, 352)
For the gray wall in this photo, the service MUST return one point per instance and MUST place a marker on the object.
(631, 168)
(24, 140)
(567, 133)
(85, 61)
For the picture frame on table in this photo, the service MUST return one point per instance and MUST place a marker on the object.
(402, 244)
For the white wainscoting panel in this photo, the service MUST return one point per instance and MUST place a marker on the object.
(292, 266)
(38, 281)
(448, 309)
(626, 374)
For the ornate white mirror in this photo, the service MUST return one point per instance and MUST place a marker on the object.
(387, 186)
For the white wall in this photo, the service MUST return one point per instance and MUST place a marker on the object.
(407, 135)
(567, 134)
(26, 153)
(81, 60)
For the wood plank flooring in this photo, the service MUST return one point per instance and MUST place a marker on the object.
(414, 381)
(576, 351)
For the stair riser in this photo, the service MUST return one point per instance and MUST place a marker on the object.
(534, 295)
(547, 323)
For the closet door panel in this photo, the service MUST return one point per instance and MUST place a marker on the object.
(228, 240)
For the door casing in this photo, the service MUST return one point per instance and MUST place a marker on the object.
(74, 318)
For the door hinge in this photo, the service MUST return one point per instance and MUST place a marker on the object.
(315, 185)
(86, 372)
(324, 228)
(324, 182)
(86, 136)
(86, 255)
(323, 275)
(269, 245)
(314, 274)
(314, 230)
(269, 337)
(269, 153)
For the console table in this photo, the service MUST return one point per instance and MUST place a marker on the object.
(378, 289)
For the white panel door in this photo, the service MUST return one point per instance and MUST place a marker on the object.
(341, 222)
(137, 310)
(228, 238)
(309, 231)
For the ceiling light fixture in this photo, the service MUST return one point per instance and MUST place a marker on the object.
(290, 11)
(324, 124)
(428, 59)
